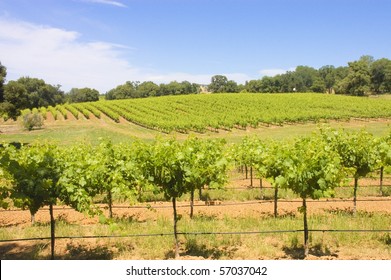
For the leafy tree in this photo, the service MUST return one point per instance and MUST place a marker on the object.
(3, 74)
(318, 85)
(77, 95)
(331, 76)
(15, 98)
(381, 76)
(328, 75)
(269, 84)
(127, 90)
(304, 78)
(146, 89)
(254, 86)
(358, 80)
(30, 93)
(231, 87)
(176, 88)
(41, 94)
(189, 88)
(218, 83)
(286, 82)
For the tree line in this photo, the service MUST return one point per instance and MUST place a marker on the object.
(362, 77)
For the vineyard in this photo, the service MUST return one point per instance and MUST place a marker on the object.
(95, 179)
(201, 113)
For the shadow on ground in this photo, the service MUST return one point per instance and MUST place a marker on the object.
(41, 251)
(22, 251)
(194, 249)
(318, 250)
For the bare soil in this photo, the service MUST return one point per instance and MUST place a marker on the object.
(219, 210)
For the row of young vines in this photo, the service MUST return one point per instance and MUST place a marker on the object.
(41, 175)
(201, 113)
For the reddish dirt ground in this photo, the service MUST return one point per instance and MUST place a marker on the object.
(255, 208)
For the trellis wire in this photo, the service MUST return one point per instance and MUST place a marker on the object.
(198, 233)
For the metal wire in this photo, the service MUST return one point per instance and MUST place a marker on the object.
(221, 204)
(198, 233)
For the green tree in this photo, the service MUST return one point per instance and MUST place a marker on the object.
(358, 80)
(304, 78)
(41, 94)
(254, 86)
(231, 87)
(218, 83)
(77, 95)
(189, 88)
(328, 75)
(3, 74)
(270, 84)
(15, 98)
(146, 89)
(286, 82)
(174, 88)
(381, 76)
(127, 90)
(30, 93)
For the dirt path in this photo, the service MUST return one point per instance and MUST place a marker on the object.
(256, 208)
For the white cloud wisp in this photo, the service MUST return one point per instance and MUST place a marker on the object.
(61, 57)
(107, 2)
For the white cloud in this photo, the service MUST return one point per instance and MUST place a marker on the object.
(60, 56)
(274, 72)
(179, 77)
(107, 2)
(196, 78)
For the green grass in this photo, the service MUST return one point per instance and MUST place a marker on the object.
(216, 246)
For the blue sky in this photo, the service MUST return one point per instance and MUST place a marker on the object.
(104, 43)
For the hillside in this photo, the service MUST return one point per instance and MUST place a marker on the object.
(215, 115)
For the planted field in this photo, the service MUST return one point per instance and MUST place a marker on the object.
(207, 216)
(201, 113)
(171, 199)
(228, 116)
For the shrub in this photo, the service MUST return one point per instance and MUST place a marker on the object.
(32, 120)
